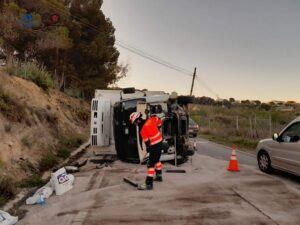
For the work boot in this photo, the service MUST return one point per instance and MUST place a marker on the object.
(144, 187)
(158, 175)
(158, 178)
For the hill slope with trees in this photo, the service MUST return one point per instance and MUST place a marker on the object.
(72, 39)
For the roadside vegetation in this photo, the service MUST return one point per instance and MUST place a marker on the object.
(62, 150)
(63, 56)
(10, 108)
(31, 71)
(240, 125)
(64, 53)
(39, 124)
(8, 189)
(32, 181)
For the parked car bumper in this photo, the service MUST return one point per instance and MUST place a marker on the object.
(193, 132)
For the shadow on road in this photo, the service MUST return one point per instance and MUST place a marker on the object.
(286, 176)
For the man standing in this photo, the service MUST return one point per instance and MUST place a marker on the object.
(152, 137)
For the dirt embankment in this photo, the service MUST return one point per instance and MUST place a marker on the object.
(34, 124)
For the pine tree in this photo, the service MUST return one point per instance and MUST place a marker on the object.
(79, 49)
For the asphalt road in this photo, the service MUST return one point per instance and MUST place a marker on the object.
(217, 151)
(207, 194)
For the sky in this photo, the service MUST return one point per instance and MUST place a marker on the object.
(245, 49)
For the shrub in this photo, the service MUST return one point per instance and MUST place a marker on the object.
(45, 115)
(8, 189)
(74, 93)
(83, 115)
(26, 141)
(32, 181)
(5, 101)
(72, 141)
(63, 152)
(31, 71)
(10, 108)
(48, 162)
(7, 128)
(2, 164)
(2, 201)
(67, 144)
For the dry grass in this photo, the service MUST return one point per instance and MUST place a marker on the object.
(31, 71)
(32, 181)
(7, 128)
(10, 107)
(8, 189)
(48, 161)
(240, 126)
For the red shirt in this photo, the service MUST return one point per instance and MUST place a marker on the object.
(150, 131)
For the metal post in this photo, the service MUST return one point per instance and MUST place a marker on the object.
(194, 75)
(237, 123)
(175, 151)
(250, 121)
(270, 124)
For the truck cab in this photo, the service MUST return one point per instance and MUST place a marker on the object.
(175, 121)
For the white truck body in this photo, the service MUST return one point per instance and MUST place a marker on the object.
(102, 112)
(100, 122)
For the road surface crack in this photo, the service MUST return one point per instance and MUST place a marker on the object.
(254, 206)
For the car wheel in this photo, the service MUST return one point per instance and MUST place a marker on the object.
(264, 162)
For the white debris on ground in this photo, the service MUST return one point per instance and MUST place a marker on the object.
(41, 194)
(206, 194)
(60, 182)
(7, 219)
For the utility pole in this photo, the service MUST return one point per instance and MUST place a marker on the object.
(194, 75)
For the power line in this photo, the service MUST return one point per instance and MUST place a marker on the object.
(138, 51)
(127, 46)
(202, 83)
(155, 57)
(154, 60)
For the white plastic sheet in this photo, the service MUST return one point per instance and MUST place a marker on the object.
(61, 181)
(45, 192)
(7, 219)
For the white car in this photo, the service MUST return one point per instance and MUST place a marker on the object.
(282, 151)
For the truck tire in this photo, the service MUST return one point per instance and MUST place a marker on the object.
(185, 99)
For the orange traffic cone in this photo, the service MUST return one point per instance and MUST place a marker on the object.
(233, 163)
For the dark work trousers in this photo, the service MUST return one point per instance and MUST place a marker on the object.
(154, 158)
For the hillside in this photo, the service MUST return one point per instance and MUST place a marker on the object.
(37, 128)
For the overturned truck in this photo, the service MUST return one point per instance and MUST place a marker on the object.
(110, 124)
